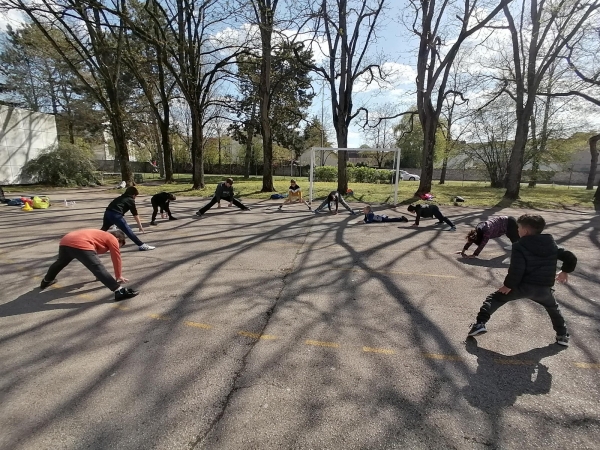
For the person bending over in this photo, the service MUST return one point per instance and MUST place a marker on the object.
(428, 211)
(531, 275)
(224, 191)
(115, 215)
(294, 195)
(336, 198)
(162, 200)
(371, 217)
(85, 246)
(494, 227)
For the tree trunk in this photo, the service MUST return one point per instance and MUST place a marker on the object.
(248, 154)
(515, 164)
(121, 150)
(197, 153)
(265, 98)
(444, 169)
(342, 140)
(167, 151)
(594, 163)
(429, 129)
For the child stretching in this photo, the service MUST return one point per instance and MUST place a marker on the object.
(294, 195)
(162, 200)
(531, 275)
(494, 227)
(371, 217)
(85, 246)
(429, 211)
(335, 197)
(115, 215)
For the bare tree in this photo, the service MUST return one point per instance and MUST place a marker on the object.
(94, 55)
(539, 35)
(434, 22)
(348, 28)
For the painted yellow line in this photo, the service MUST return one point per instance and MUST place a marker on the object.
(321, 343)
(122, 308)
(396, 272)
(385, 351)
(256, 335)
(515, 362)
(587, 365)
(197, 325)
(158, 317)
(442, 356)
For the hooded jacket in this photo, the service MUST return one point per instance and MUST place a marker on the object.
(533, 261)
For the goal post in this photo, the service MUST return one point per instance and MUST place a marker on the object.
(396, 152)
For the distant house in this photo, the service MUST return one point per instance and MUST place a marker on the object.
(22, 136)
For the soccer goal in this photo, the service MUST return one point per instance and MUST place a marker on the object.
(396, 152)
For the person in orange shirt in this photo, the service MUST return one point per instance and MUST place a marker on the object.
(85, 246)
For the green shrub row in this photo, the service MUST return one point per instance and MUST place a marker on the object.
(355, 174)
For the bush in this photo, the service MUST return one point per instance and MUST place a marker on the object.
(62, 165)
(326, 173)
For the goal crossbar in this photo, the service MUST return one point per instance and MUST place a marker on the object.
(389, 150)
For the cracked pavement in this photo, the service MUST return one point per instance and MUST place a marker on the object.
(273, 330)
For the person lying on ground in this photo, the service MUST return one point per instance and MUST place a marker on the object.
(371, 217)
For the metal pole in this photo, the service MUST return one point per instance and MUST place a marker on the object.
(310, 175)
(397, 176)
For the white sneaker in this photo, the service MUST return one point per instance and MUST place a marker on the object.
(146, 247)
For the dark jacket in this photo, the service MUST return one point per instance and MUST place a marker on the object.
(161, 199)
(425, 211)
(224, 191)
(533, 261)
(122, 204)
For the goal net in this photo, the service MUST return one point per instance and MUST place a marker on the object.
(396, 165)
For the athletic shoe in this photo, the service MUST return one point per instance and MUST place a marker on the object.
(563, 340)
(153, 224)
(403, 219)
(44, 284)
(477, 328)
(438, 223)
(352, 213)
(124, 294)
(145, 247)
(172, 218)
(199, 214)
(246, 209)
(452, 228)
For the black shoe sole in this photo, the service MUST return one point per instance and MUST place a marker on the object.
(126, 296)
(477, 333)
(50, 283)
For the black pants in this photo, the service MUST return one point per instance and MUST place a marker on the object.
(439, 216)
(228, 199)
(394, 219)
(163, 207)
(512, 229)
(88, 258)
(543, 295)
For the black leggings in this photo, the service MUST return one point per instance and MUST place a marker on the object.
(439, 216)
(228, 199)
(88, 258)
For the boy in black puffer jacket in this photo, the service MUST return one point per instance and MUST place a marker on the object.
(531, 275)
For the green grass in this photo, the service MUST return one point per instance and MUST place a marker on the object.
(477, 194)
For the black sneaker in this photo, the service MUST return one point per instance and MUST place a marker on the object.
(563, 340)
(44, 284)
(438, 223)
(124, 294)
(199, 214)
(246, 209)
(153, 224)
(172, 218)
(403, 219)
(477, 328)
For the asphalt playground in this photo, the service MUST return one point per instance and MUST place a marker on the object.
(289, 330)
